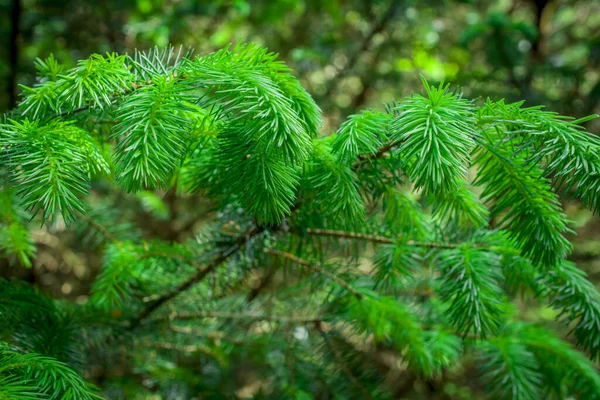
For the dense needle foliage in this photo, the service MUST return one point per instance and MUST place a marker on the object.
(459, 201)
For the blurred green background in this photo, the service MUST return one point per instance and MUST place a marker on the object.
(350, 55)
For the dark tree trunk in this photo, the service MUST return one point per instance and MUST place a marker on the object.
(14, 53)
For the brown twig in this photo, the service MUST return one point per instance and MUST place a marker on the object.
(264, 282)
(349, 235)
(99, 227)
(381, 152)
(210, 335)
(316, 268)
(379, 239)
(179, 347)
(231, 316)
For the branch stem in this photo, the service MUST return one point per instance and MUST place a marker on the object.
(233, 316)
(315, 268)
(380, 239)
(99, 227)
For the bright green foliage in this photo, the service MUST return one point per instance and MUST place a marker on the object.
(568, 290)
(435, 137)
(269, 121)
(31, 376)
(121, 269)
(532, 211)
(43, 327)
(460, 206)
(267, 118)
(568, 154)
(471, 288)
(565, 371)
(16, 243)
(334, 185)
(151, 134)
(146, 65)
(409, 233)
(510, 369)
(403, 215)
(361, 134)
(202, 171)
(92, 83)
(15, 240)
(51, 164)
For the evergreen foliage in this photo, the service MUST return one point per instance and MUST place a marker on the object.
(460, 200)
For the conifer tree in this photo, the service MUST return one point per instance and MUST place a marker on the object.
(458, 200)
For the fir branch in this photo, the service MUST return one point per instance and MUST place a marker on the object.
(509, 369)
(565, 370)
(220, 258)
(245, 87)
(49, 166)
(121, 270)
(250, 141)
(17, 243)
(44, 375)
(535, 218)
(152, 134)
(567, 290)
(568, 154)
(470, 284)
(268, 119)
(115, 96)
(92, 83)
(335, 186)
(436, 138)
